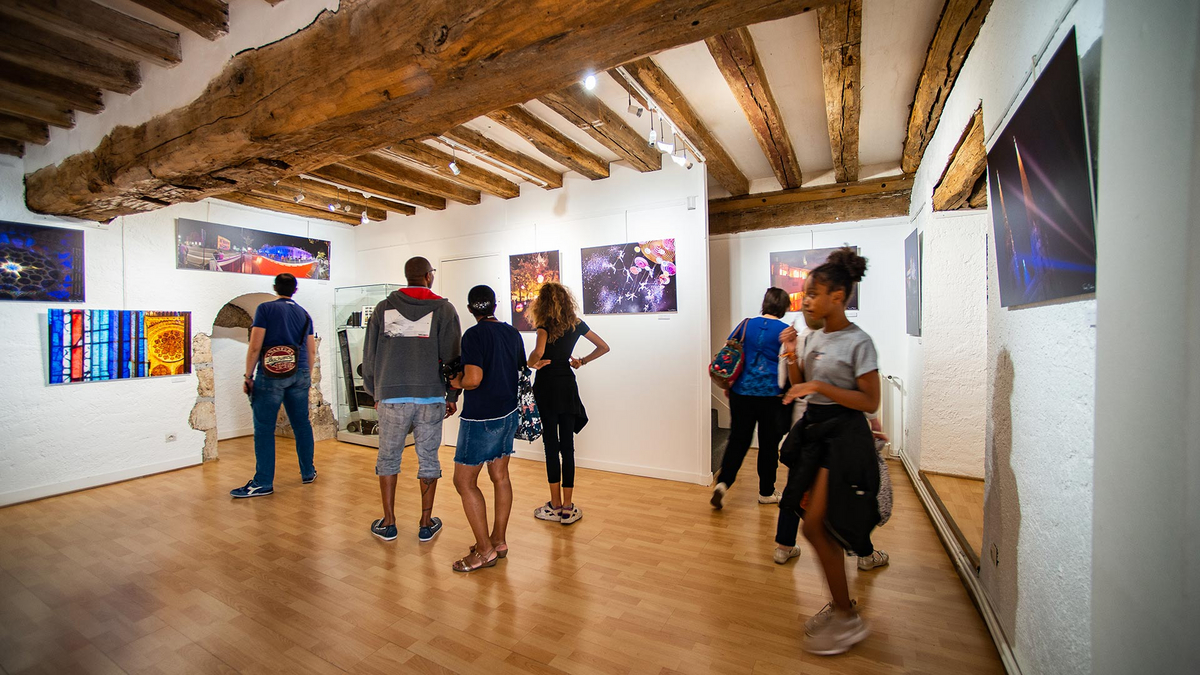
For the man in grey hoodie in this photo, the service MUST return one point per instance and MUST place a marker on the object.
(410, 335)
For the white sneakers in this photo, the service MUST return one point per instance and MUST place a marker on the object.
(832, 632)
(876, 559)
(782, 555)
(772, 498)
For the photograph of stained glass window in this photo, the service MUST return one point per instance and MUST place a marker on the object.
(93, 345)
(225, 248)
(41, 264)
(638, 277)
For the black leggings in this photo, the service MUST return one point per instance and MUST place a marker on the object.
(558, 435)
(768, 414)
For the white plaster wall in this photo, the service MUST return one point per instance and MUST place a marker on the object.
(741, 265)
(646, 400)
(1146, 570)
(59, 438)
(1041, 383)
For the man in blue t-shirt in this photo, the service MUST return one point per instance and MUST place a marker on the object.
(283, 332)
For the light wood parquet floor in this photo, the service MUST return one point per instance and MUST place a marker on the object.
(963, 498)
(167, 574)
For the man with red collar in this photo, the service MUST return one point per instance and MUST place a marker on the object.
(410, 335)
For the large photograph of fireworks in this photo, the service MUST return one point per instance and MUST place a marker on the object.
(790, 269)
(224, 248)
(633, 278)
(40, 264)
(527, 273)
(1040, 191)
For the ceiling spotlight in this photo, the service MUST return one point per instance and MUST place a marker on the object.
(332, 206)
(364, 220)
(346, 208)
(589, 82)
(680, 157)
(652, 137)
(634, 109)
(662, 145)
(454, 168)
(298, 198)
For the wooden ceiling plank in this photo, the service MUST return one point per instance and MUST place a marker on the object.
(317, 96)
(377, 186)
(671, 100)
(21, 103)
(504, 158)
(840, 29)
(979, 196)
(588, 112)
(23, 129)
(550, 142)
(957, 29)
(207, 18)
(100, 26)
(847, 202)
(738, 62)
(24, 43)
(285, 206)
(471, 176)
(320, 189)
(287, 193)
(967, 163)
(402, 174)
(49, 88)
(11, 147)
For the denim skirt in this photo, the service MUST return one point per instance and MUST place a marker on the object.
(482, 441)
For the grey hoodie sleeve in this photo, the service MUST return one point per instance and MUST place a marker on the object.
(449, 342)
(370, 344)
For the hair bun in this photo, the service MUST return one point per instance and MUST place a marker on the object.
(849, 259)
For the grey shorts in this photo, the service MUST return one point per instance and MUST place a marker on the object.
(395, 421)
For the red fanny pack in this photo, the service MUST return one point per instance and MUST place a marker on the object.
(282, 361)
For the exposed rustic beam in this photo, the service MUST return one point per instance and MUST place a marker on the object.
(597, 120)
(979, 195)
(24, 129)
(967, 163)
(957, 29)
(320, 94)
(377, 186)
(550, 142)
(26, 44)
(10, 147)
(49, 88)
(738, 62)
(672, 102)
(207, 18)
(432, 159)
(289, 194)
(21, 103)
(840, 28)
(99, 26)
(285, 206)
(321, 190)
(504, 158)
(402, 174)
(846, 202)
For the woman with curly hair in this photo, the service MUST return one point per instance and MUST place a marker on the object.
(556, 315)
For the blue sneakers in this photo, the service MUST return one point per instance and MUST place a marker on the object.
(251, 489)
(427, 533)
(308, 479)
(384, 532)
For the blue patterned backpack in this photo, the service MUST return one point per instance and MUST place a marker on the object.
(728, 363)
(529, 424)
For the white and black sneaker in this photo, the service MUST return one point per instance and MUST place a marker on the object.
(251, 489)
(384, 532)
(718, 495)
(876, 559)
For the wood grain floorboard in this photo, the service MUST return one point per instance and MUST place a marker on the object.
(167, 574)
(963, 498)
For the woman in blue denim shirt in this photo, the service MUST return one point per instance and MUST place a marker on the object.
(755, 400)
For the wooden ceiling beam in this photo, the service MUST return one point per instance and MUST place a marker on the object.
(318, 96)
(839, 203)
(24, 129)
(469, 175)
(738, 62)
(101, 27)
(287, 193)
(588, 112)
(285, 206)
(24, 43)
(322, 190)
(377, 186)
(21, 103)
(402, 174)
(504, 158)
(840, 28)
(550, 142)
(957, 29)
(967, 163)
(10, 147)
(672, 102)
(207, 18)
(52, 89)
(979, 195)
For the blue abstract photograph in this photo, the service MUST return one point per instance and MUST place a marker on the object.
(40, 264)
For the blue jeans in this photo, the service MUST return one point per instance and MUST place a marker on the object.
(292, 392)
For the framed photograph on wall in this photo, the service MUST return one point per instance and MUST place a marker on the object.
(94, 345)
(633, 278)
(40, 264)
(527, 272)
(912, 284)
(226, 248)
(790, 269)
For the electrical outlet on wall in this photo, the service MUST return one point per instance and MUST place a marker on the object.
(171, 438)
(996, 555)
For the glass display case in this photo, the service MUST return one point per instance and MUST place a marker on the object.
(352, 308)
